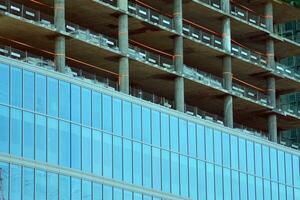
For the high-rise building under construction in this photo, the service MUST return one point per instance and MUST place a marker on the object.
(147, 100)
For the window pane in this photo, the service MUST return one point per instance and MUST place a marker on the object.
(40, 185)
(64, 144)
(217, 147)
(218, 182)
(52, 95)
(227, 184)
(146, 127)
(210, 181)
(127, 171)
(52, 141)
(40, 93)
(267, 190)
(258, 159)
(281, 166)
(4, 84)
(165, 171)
(183, 136)
(86, 190)
(107, 113)
(107, 192)
(64, 100)
(127, 119)
(28, 184)
(250, 157)
(266, 161)
(184, 176)
(296, 170)
(282, 192)
(289, 170)
(75, 103)
(64, 185)
(28, 95)
(117, 158)
(86, 150)
(209, 145)
(75, 146)
(86, 107)
(274, 191)
(16, 132)
(242, 155)
(28, 137)
(137, 163)
(147, 166)
(193, 178)
(175, 173)
(117, 116)
(200, 142)
(4, 169)
(235, 185)
(52, 186)
(40, 138)
(259, 189)
(15, 182)
(174, 133)
(251, 187)
(75, 189)
(226, 149)
(156, 166)
(273, 156)
(16, 86)
(96, 110)
(97, 191)
(107, 155)
(137, 122)
(156, 128)
(234, 152)
(165, 131)
(97, 153)
(117, 194)
(243, 186)
(4, 133)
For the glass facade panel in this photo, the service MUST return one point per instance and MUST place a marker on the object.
(64, 100)
(15, 182)
(75, 146)
(16, 87)
(52, 186)
(86, 106)
(28, 184)
(40, 138)
(4, 83)
(75, 103)
(40, 94)
(64, 144)
(97, 152)
(28, 87)
(4, 133)
(16, 132)
(52, 97)
(86, 150)
(52, 141)
(28, 135)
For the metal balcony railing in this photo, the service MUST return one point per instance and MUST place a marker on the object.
(150, 15)
(214, 3)
(247, 16)
(27, 13)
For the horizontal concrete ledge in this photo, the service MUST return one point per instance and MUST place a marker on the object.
(87, 176)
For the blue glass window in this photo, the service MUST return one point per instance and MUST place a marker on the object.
(4, 133)
(86, 190)
(156, 166)
(28, 135)
(258, 159)
(209, 144)
(107, 113)
(147, 166)
(251, 187)
(75, 146)
(242, 155)
(16, 87)
(86, 106)
(281, 167)
(64, 144)
(282, 192)
(259, 189)
(226, 149)
(97, 153)
(40, 138)
(250, 157)
(183, 136)
(52, 186)
(117, 158)
(127, 119)
(235, 185)
(96, 110)
(127, 170)
(175, 173)
(5, 179)
(210, 181)
(75, 103)
(184, 176)
(218, 182)
(243, 184)
(217, 147)
(266, 161)
(64, 100)
(16, 132)
(165, 171)
(107, 192)
(40, 93)
(107, 155)
(174, 133)
(40, 185)
(155, 128)
(267, 189)
(234, 152)
(52, 97)
(136, 115)
(86, 149)
(289, 169)
(193, 178)
(118, 194)
(227, 184)
(146, 127)
(28, 85)
(64, 185)
(192, 139)
(296, 170)
(15, 182)
(52, 141)
(117, 116)
(289, 193)
(200, 142)
(28, 184)
(275, 191)
(165, 131)
(75, 189)
(137, 163)
(4, 83)
(97, 191)
(273, 159)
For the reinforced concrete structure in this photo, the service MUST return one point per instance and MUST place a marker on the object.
(146, 100)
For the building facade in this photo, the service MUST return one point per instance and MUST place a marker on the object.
(71, 129)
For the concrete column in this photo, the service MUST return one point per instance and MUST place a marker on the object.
(123, 45)
(226, 6)
(270, 53)
(269, 16)
(272, 118)
(178, 56)
(227, 78)
(226, 35)
(60, 47)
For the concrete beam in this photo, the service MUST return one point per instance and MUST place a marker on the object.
(60, 47)
(178, 59)
(123, 46)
